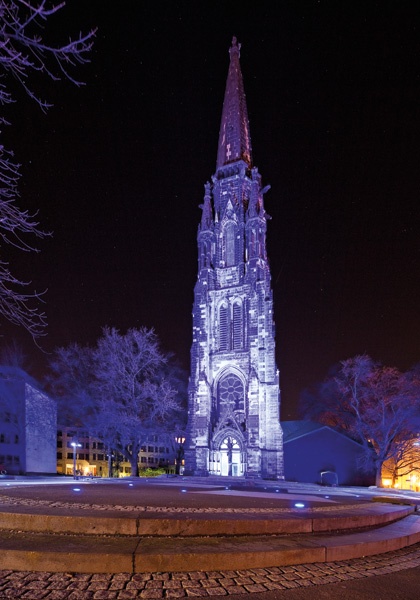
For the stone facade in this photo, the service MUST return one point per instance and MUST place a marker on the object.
(234, 396)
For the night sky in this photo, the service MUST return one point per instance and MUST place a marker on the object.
(117, 170)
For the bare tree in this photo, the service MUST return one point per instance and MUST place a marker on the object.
(405, 459)
(133, 398)
(375, 405)
(69, 380)
(25, 54)
(12, 355)
(122, 389)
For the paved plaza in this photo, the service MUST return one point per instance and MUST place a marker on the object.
(393, 574)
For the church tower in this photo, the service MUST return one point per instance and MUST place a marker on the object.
(234, 397)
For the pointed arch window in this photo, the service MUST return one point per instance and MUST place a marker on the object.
(229, 234)
(231, 392)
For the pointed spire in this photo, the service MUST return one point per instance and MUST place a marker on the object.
(234, 136)
(207, 216)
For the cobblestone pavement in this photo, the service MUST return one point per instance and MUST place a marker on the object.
(123, 586)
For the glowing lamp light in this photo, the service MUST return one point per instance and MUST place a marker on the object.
(76, 489)
(183, 490)
(299, 505)
(130, 484)
(75, 445)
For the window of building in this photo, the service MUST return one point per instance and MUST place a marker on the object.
(59, 444)
(69, 454)
(59, 455)
(150, 449)
(231, 392)
(100, 457)
(230, 244)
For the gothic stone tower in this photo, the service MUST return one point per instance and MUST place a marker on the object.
(234, 398)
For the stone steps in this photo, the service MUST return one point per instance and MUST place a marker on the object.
(92, 543)
(169, 523)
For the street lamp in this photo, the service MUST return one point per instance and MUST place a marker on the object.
(75, 446)
(179, 454)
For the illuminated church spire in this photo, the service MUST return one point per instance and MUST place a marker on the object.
(234, 137)
(233, 395)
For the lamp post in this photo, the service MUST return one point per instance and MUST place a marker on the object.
(179, 454)
(75, 445)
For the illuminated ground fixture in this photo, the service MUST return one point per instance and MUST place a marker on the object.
(75, 445)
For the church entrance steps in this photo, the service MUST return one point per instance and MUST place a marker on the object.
(91, 543)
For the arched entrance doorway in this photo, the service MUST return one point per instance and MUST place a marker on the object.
(227, 456)
(230, 457)
(228, 444)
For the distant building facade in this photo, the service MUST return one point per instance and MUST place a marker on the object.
(91, 457)
(234, 395)
(28, 425)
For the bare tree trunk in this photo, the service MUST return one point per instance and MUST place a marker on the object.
(378, 475)
(134, 462)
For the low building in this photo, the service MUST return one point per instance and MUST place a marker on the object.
(316, 453)
(28, 425)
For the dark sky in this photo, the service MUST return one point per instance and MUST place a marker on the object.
(117, 170)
